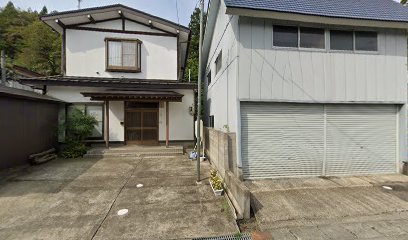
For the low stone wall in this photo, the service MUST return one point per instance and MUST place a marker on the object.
(220, 149)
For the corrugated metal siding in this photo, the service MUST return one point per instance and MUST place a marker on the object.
(281, 140)
(272, 73)
(286, 140)
(361, 139)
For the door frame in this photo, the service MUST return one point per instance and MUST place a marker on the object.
(152, 142)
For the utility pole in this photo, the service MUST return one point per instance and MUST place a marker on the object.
(200, 45)
(79, 4)
(3, 67)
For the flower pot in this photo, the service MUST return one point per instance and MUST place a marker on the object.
(216, 192)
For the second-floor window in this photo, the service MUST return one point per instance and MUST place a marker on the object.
(295, 37)
(353, 40)
(312, 38)
(285, 36)
(123, 55)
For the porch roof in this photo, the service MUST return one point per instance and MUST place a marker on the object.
(142, 95)
(106, 82)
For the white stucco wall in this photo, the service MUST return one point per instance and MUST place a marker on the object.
(117, 25)
(86, 54)
(181, 122)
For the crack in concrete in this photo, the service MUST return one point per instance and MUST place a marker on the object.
(114, 200)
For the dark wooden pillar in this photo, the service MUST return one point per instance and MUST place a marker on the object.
(167, 124)
(107, 123)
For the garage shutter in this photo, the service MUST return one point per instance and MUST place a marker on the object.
(361, 139)
(287, 140)
(282, 140)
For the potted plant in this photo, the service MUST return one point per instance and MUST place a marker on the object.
(216, 183)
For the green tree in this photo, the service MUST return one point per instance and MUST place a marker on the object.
(41, 49)
(403, 1)
(44, 11)
(78, 127)
(192, 60)
(29, 42)
(12, 23)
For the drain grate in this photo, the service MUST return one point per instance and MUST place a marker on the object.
(244, 236)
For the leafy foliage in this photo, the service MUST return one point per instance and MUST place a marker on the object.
(404, 1)
(78, 126)
(192, 60)
(28, 42)
(73, 150)
(216, 181)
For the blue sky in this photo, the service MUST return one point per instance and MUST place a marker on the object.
(162, 8)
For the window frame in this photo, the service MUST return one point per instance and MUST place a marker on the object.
(211, 121)
(341, 50)
(218, 59)
(135, 69)
(86, 104)
(312, 48)
(354, 42)
(209, 78)
(365, 51)
(283, 47)
(298, 47)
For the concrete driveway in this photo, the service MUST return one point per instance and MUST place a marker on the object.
(332, 208)
(79, 199)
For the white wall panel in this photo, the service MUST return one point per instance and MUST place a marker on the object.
(222, 92)
(314, 75)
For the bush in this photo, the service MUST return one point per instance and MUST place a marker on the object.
(74, 150)
(78, 127)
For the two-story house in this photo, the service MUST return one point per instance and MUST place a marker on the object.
(311, 88)
(124, 67)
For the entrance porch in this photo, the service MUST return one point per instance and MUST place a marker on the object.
(142, 122)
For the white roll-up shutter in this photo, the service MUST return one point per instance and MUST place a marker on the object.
(287, 140)
(361, 139)
(282, 140)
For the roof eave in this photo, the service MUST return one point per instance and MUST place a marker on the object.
(91, 82)
(259, 13)
(86, 11)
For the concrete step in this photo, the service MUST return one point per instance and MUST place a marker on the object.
(146, 154)
(132, 151)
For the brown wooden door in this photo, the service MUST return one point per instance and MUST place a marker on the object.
(142, 123)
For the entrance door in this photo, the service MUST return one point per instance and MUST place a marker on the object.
(142, 123)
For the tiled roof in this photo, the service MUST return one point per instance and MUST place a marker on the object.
(383, 10)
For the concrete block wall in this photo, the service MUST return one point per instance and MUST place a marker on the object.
(220, 149)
